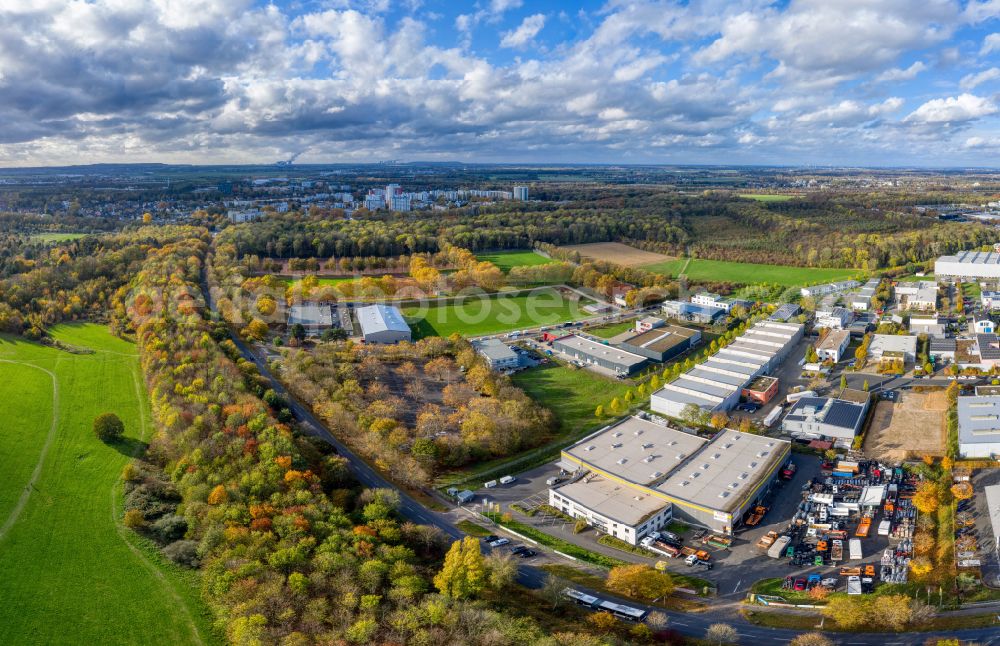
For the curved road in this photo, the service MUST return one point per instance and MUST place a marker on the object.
(692, 624)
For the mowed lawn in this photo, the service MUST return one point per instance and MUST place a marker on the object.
(482, 315)
(70, 572)
(750, 273)
(571, 393)
(505, 260)
(767, 197)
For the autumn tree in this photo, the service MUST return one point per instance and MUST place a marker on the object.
(719, 420)
(639, 581)
(463, 574)
(602, 621)
(927, 497)
(961, 491)
(720, 634)
(811, 639)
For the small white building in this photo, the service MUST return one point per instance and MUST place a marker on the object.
(918, 295)
(990, 300)
(984, 326)
(837, 318)
(625, 512)
(648, 323)
(931, 326)
(833, 345)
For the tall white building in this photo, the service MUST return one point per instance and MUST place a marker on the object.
(521, 193)
(399, 203)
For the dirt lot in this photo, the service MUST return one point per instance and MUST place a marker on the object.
(618, 253)
(911, 427)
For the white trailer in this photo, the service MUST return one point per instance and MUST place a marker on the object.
(778, 548)
(772, 417)
(883, 528)
(855, 548)
(794, 397)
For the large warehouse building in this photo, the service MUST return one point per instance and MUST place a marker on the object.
(716, 384)
(637, 475)
(968, 266)
(382, 324)
(591, 353)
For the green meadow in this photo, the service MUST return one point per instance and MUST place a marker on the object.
(56, 237)
(71, 572)
(749, 273)
(482, 315)
(767, 197)
(505, 260)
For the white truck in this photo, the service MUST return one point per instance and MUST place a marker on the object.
(772, 417)
(777, 549)
(853, 585)
(854, 545)
(794, 397)
(884, 527)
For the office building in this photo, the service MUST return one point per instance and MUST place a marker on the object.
(592, 353)
(825, 418)
(498, 354)
(833, 345)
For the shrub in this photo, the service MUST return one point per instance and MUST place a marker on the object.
(169, 528)
(183, 553)
(134, 519)
(108, 427)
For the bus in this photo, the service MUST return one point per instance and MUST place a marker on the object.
(623, 612)
(581, 598)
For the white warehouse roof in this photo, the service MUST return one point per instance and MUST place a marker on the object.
(381, 318)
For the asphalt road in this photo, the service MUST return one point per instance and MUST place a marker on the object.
(693, 624)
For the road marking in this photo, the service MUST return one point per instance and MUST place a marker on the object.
(737, 588)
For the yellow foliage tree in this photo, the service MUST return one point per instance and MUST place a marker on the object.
(218, 495)
(639, 581)
(961, 491)
(927, 498)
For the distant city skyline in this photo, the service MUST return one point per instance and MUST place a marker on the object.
(743, 82)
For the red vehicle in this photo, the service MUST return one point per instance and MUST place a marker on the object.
(788, 472)
(800, 584)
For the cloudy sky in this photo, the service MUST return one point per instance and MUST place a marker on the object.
(862, 82)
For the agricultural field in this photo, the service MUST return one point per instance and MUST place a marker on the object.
(506, 260)
(571, 393)
(750, 273)
(64, 554)
(56, 237)
(767, 197)
(617, 252)
(482, 315)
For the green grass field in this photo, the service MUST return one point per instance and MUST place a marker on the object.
(767, 197)
(71, 572)
(56, 237)
(572, 394)
(612, 329)
(492, 314)
(517, 258)
(750, 273)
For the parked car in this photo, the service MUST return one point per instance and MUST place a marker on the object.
(800, 584)
(500, 542)
(518, 549)
(491, 538)
(527, 554)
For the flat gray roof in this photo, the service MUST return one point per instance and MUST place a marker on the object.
(979, 419)
(725, 471)
(494, 349)
(685, 398)
(973, 258)
(595, 349)
(634, 449)
(893, 343)
(699, 371)
(661, 338)
(731, 367)
(833, 339)
(311, 315)
(613, 500)
(381, 318)
(716, 389)
(728, 355)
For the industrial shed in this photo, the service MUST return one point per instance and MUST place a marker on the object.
(592, 353)
(314, 317)
(662, 343)
(979, 426)
(645, 471)
(382, 324)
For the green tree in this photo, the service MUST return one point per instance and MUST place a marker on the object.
(297, 331)
(843, 382)
(463, 574)
(864, 386)
(108, 427)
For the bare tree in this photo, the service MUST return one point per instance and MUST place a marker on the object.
(720, 634)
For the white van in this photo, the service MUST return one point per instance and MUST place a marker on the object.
(490, 484)
(507, 479)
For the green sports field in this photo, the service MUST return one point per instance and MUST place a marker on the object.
(323, 280)
(517, 258)
(71, 572)
(478, 316)
(750, 273)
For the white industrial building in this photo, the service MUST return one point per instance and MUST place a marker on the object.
(931, 326)
(314, 317)
(979, 426)
(968, 266)
(825, 418)
(498, 354)
(717, 383)
(636, 475)
(861, 300)
(382, 324)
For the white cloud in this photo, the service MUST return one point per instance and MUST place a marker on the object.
(525, 32)
(899, 74)
(850, 112)
(960, 109)
(500, 6)
(971, 81)
(981, 10)
(990, 44)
